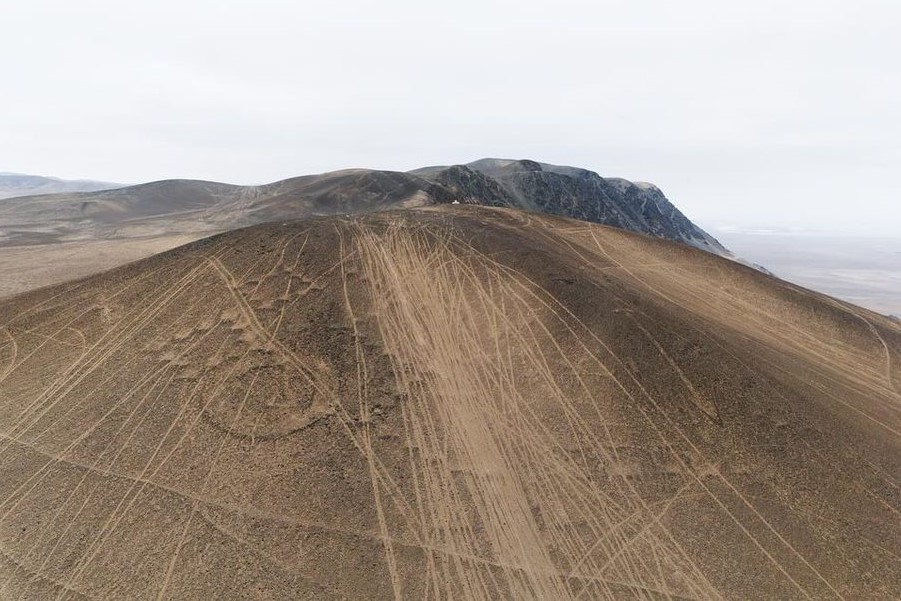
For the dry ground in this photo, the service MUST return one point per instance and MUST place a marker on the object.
(454, 402)
(27, 267)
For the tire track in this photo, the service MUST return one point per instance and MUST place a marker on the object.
(415, 313)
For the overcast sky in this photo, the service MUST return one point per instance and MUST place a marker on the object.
(760, 113)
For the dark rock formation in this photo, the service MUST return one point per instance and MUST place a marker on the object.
(571, 192)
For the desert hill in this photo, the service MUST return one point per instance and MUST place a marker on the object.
(187, 206)
(446, 402)
(19, 184)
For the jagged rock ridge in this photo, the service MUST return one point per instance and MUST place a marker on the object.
(571, 192)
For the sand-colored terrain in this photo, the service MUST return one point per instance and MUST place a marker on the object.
(28, 267)
(446, 403)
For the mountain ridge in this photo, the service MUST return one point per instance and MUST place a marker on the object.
(215, 206)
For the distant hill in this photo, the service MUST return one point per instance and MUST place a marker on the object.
(18, 184)
(189, 206)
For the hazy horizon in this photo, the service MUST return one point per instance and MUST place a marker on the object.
(749, 114)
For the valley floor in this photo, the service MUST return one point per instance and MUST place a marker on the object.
(862, 270)
(25, 268)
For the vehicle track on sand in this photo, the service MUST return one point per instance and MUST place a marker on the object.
(681, 435)
(71, 377)
(13, 347)
(366, 434)
(430, 306)
(505, 411)
(888, 353)
(158, 305)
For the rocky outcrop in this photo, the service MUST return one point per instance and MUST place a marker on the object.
(570, 192)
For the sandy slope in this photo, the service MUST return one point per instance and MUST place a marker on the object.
(454, 402)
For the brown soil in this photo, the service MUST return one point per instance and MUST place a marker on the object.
(455, 402)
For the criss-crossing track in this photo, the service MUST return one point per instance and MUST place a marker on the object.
(446, 404)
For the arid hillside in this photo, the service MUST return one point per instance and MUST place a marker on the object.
(53, 238)
(452, 402)
(19, 184)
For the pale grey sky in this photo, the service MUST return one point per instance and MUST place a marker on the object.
(758, 113)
